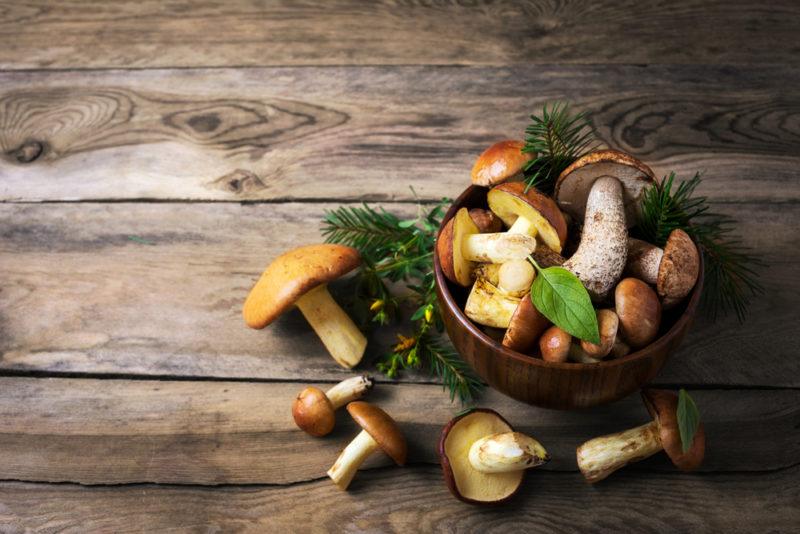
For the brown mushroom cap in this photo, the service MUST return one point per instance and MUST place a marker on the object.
(554, 344)
(292, 275)
(639, 312)
(608, 324)
(500, 162)
(574, 184)
(485, 220)
(382, 428)
(526, 325)
(663, 407)
(313, 412)
(679, 268)
(510, 200)
(448, 246)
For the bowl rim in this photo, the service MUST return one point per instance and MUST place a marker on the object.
(576, 367)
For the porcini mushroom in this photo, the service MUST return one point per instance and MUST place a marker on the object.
(608, 324)
(639, 312)
(300, 277)
(502, 161)
(554, 344)
(603, 189)
(314, 410)
(379, 431)
(599, 457)
(525, 326)
(673, 269)
(515, 277)
(483, 459)
(488, 306)
(529, 212)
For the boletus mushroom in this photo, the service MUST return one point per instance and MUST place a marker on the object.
(638, 310)
(379, 432)
(314, 410)
(530, 213)
(603, 189)
(599, 457)
(300, 277)
(483, 459)
(502, 161)
(525, 326)
(673, 269)
(555, 345)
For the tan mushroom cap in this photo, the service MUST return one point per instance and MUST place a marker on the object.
(608, 324)
(500, 162)
(679, 268)
(510, 200)
(292, 275)
(382, 428)
(574, 184)
(639, 312)
(448, 247)
(526, 325)
(663, 407)
(554, 345)
(313, 412)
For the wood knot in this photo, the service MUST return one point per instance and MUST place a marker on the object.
(240, 182)
(27, 152)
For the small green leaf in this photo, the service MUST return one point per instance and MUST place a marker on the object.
(561, 297)
(407, 224)
(688, 419)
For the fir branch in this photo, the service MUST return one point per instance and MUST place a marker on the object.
(364, 228)
(455, 374)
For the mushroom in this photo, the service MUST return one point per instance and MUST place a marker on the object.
(483, 459)
(490, 307)
(485, 220)
(515, 277)
(639, 312)
(530, 213)
(525, 326)
(608, 324)
(673, 269)
(603, 189)
(599, 457)
(379, 431)
(300, 277)
(487, 271)
(314, 410)
(502, 161)
(554, 344)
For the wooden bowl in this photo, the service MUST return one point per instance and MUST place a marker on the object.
(562, 386)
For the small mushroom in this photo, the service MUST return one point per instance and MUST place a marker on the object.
(314, 410)
(599, 457)
(639, 312)
(673, 270)
(515, 277)
(379, 432)
(502, 161)
(608, 324)
(603, 189)
(554, 345)
(300, 277)
(530, 213)
(525, 326)
(490, 307)
(483, 459)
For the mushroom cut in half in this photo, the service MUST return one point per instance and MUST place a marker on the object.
(502, 161)
(300, 277)
(483, 459)
(599, 457)
(529, 212)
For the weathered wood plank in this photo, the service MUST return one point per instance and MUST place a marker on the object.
(80, 295)
(371, 133)
(415, 500)
(171, 34)
(121, 431)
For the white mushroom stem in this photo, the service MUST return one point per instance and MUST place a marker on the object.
(352, 457)
(349, 390)
(497, 248)
(510, 451)
(487, 271)
(338, 332)
(644, 260)
(523, 226)
(487, 306)
(599, 457)
(515, 277)
(601, 255)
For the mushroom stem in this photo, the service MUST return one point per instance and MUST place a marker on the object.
(643, 261)
(523, 226)
(510, 451)
(346, 465)
(497, 248)
(488, 306)
(599, 457)
(338, 332)
(349, 390)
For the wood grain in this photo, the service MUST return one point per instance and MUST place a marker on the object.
(175, 34)
(123, 431)
(372, 133)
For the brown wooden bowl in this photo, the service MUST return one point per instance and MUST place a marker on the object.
(562, 386)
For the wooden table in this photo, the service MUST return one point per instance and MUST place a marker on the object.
(156, 155)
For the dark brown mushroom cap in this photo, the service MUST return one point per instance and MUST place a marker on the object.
(575, 182)
(313, 412)
(663, 407)
(485, 220)
(679, 268)
(448, 247)
(500, 162)
(382, 428)
(554, 344)
(527, 324)
(292, 275)
(510, 200)
(639, 312)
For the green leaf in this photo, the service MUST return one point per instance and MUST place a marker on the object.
(561, 297)
(407, 223)
(688, 419)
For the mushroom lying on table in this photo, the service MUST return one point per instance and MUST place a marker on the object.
(673, 269)
(300, 277)
(502, 161)
(599, 457)
(314, 410)
(483, 459)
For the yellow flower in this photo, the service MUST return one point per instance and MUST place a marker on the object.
(429, 313)
(405, 343)
(376, 306)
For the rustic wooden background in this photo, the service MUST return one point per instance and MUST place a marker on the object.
(154, 156)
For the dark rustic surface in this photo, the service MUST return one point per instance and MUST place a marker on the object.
(155, 155)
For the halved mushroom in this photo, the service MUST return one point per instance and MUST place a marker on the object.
(530, 213)
(603, 189)
(639, 312)
(300, 277)
(490, 307)
(502, 161)
(673, 270)
(599, 457)
(314, 410)
(483, 459)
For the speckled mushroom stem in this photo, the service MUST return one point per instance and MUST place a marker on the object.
(599, 457)
(349, 390)
(509, 451)
(352, 457)
(338, 332)
(643, 260)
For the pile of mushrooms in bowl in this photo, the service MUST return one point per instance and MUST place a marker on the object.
(644, 296)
